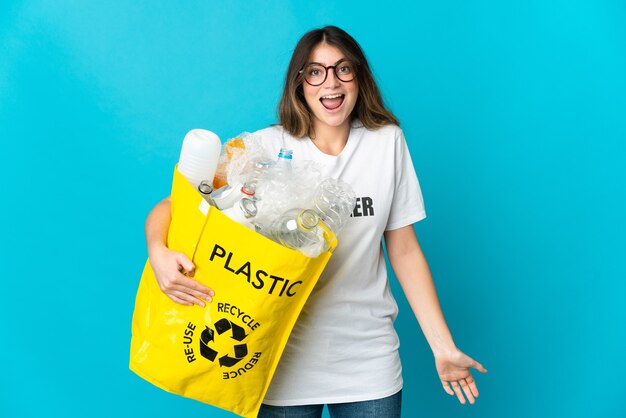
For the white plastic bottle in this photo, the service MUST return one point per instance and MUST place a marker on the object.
(199, 155)
(227, 196)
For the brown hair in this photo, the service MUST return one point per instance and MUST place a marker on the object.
(293, 111)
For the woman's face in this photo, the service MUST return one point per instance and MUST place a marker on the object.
(331, 102)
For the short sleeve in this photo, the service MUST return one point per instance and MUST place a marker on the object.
(407, 206)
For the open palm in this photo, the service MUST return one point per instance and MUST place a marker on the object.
(454, 371)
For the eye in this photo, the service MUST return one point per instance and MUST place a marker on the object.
(315, 71)
(345, 68)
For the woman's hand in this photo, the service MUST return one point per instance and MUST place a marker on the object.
(173, 271)
(453, 368)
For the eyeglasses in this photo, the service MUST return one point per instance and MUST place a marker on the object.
(315, 74)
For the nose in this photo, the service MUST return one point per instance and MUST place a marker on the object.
(331, 79)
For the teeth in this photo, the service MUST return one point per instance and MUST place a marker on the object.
(332, 96)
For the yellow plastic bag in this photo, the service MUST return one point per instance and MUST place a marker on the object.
(226, 353)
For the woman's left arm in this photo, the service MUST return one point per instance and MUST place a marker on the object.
(411, 269)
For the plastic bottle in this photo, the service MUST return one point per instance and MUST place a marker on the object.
(298, 229)
(284, 159)
(334, 201)
(227, 196)
(199, 155)
(243, 212)
(206, 189)
(259, 168)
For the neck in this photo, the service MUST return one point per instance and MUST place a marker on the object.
(330, 139)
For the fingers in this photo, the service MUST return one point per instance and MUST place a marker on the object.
(184, 298)
(178, 300)
(186, 291)
(185, 263)
(472, 386)
(191, 295)
(173, 271)
(181, 282)
(476, 365)
(457, 391)
(446, 387)
(467, 391)
(463, 386)
(454, 372)
(187, 270)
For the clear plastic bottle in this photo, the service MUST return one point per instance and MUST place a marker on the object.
(248, 190)
(206, 189)
(259, 168)
(299, 229)
(334, 201)
(243, 212)
(284, 159)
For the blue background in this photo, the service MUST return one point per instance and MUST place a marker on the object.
(515, 113)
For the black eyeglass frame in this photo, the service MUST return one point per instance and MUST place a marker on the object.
(334, 67)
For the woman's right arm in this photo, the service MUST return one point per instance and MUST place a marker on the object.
(173, 270)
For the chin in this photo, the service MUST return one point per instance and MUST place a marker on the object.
(334, 120)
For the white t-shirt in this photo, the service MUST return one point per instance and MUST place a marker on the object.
(343, 347)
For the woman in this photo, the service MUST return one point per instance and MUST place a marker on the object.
(343, 350)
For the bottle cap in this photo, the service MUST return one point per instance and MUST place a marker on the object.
(205, 187)
(248, 207)
(285, 153)
(307, 219)
(248, 188)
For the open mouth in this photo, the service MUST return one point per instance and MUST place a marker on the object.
(332, 101)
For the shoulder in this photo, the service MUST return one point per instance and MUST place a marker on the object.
(387, 133)
(271, 131)
(271, 138)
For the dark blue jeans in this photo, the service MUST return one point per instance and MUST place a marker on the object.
(388, 407)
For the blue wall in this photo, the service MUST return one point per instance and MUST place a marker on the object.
(515, 114)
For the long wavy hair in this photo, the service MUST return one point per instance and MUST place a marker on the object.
(294, 113)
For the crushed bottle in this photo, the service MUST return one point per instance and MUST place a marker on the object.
(299, 229)
(243, 212)
(334, 201)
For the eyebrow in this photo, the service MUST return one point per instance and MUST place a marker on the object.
(319, 63)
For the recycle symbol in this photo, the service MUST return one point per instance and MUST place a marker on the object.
(237, 334)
